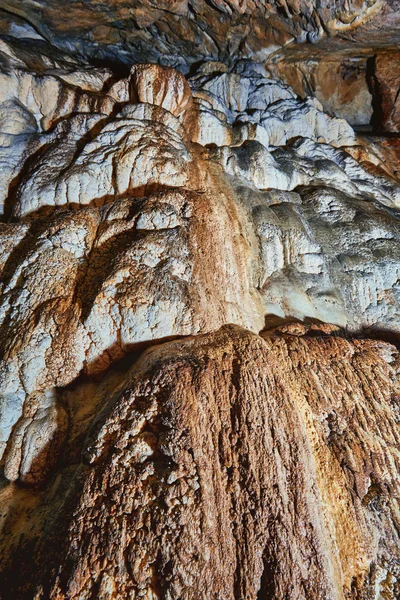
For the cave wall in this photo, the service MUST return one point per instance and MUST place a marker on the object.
(199, 300)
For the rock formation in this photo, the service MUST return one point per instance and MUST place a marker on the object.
(216, 468)
(180, 32)
(199, 301)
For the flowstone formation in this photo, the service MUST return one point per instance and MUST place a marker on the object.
(199, 318)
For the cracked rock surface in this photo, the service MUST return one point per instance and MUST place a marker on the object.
(141, 207)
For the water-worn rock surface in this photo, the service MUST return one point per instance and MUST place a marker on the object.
(143, 207)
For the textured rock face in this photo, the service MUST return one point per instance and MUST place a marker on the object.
(181, 32)
(226, 466)
(339, 79)
(385, 82)
(147, 208)
(358, 83)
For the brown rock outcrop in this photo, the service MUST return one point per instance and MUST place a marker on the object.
(385, 85)
(337, 77)
(225, 466)
(359, 83)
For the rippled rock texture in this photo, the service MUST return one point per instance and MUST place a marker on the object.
(147, 208)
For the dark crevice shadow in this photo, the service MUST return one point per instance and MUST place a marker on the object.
(379, 334)
(267, 584)
(119, 70)
(376, 93)
(130, 355)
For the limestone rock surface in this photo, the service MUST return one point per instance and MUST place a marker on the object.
(118, 215)
(141, 207)
(225, 466)
(182, 32)
(338, 78)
